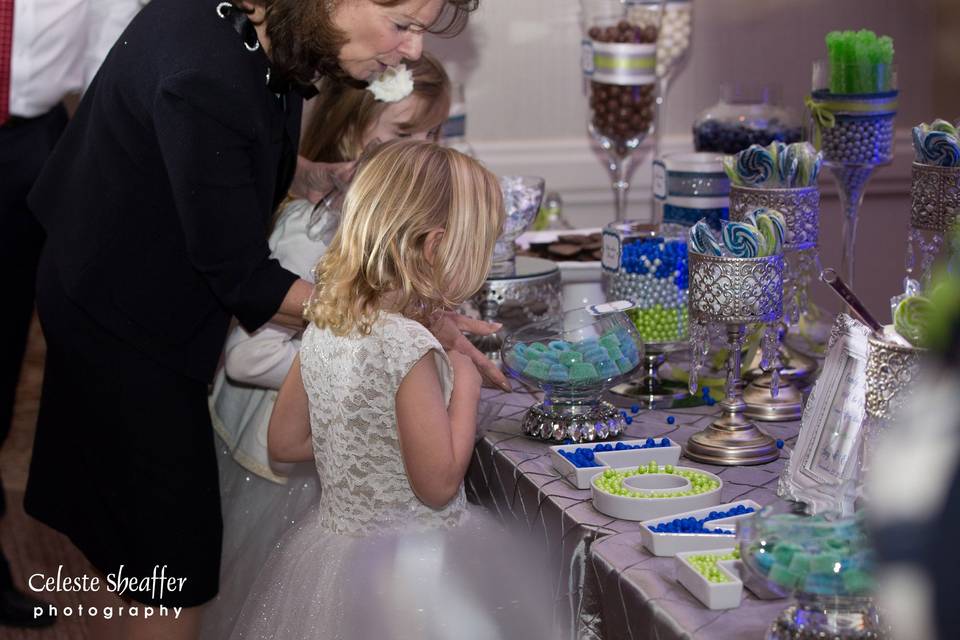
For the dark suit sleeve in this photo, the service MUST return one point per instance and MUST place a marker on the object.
(207, 149)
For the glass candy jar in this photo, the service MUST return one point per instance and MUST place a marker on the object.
(826, 562)
(744, 115)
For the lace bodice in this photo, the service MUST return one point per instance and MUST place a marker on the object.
(351, 384)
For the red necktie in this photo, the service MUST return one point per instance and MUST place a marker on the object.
(6, 51)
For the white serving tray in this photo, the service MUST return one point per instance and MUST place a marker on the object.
(641, 509)
(714, 595)
(670, 544)
(580, 476)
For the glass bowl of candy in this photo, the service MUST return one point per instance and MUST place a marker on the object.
(745, 115)
(826, 561)
(574, 359)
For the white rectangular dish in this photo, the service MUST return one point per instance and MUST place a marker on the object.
(670, 544)
(580, 476)
(714, 595)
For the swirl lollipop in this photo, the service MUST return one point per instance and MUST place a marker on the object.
(789, 164)
(703, 241)
(808, 163)
(942, 125)
(911, 318)
(743, 240)
(773, 229)
(941, 149)
(730, 168)
(919, 133)
(755, 165)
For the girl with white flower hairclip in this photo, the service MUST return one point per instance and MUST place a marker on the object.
(259, 498)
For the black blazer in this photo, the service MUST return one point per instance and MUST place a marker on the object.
(158, 198)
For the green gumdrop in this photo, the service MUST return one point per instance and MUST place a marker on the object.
(609, 341)
(537, 369)
(857, 581)
(783, 576)
(800, 563)
(624, 365)
(614, 353)
(538, 346)
(568, 358)
(823, 562)
(583, 371)
(783, 553)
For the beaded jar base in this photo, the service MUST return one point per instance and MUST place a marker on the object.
(827, 621)
(558, 422)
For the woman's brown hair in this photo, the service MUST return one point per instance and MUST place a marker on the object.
(304, 42)
(344, 113)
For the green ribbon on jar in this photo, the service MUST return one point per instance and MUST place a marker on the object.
(824, 107)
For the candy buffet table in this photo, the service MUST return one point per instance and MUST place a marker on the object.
(608, 585)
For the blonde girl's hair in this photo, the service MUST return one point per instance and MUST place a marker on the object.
(344, 113)
(377, 260)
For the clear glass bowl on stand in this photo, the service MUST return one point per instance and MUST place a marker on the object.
(574, 359)
(826, 563)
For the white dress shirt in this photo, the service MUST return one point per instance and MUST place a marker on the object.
(58, 46)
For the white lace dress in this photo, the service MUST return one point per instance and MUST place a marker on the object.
(371, 560)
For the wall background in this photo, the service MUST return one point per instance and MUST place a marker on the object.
(519, 61)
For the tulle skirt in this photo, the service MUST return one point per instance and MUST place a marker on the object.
(256, 514)
(470, 583)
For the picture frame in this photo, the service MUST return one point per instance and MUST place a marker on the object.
(823, 467)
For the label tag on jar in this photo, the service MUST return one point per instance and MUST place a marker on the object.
(659, 180)
(611, 252)
(586, 57)
(609, 307)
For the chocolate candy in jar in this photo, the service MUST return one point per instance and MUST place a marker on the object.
(620, 62)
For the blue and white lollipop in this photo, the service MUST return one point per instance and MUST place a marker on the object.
(755, 165)
(941, 149)
(743, 240)
(703, 241)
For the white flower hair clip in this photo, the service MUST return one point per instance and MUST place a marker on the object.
(393, 85)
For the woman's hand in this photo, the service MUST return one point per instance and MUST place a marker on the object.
(314, 180)
(449, 327)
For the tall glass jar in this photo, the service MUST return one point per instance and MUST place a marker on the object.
(619, 65)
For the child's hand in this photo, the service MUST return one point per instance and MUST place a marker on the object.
(466, 377)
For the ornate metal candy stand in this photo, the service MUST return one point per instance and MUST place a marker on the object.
(891, 371)
(731, 293)
(772, 396)
(935, 204)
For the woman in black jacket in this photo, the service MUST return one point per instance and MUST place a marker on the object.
(156, 203)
